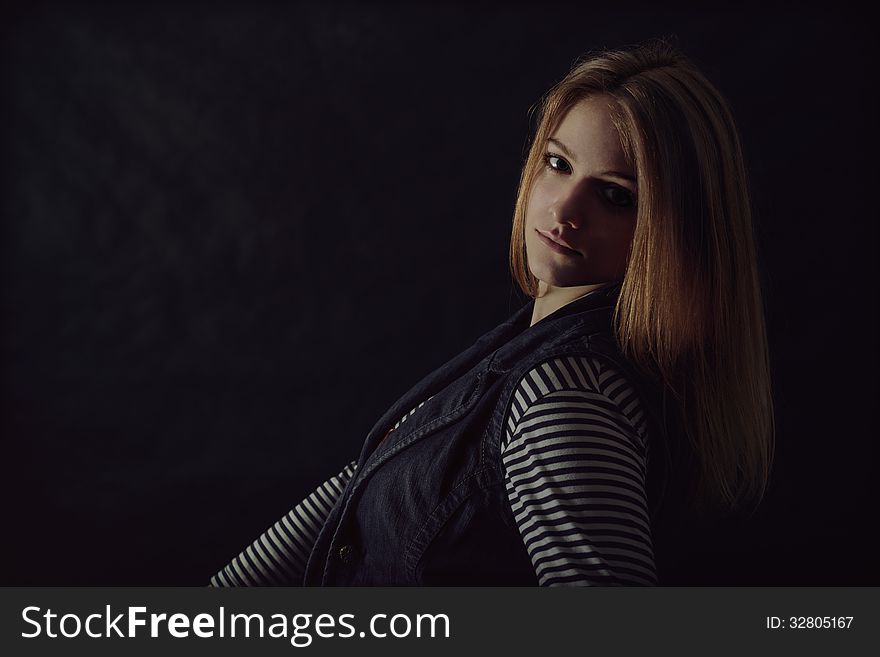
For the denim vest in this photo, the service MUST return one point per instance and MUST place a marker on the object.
(429, 506)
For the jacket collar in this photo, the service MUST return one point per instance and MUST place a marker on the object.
(567, 319)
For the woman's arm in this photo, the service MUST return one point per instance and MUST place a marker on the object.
(575, 459)
(278, 557)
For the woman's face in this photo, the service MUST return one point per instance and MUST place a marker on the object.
(584, 197)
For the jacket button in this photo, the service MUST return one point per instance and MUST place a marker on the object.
(345, 553)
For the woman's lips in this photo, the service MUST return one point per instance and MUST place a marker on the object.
(556, 246)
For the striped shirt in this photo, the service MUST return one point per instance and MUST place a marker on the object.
(575, 457)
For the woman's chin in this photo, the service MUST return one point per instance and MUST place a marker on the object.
(559, 276)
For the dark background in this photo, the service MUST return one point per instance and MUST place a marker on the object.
(234, 234)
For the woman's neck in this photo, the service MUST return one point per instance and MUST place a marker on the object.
(551, 299)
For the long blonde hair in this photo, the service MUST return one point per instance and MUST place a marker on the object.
(690, 309)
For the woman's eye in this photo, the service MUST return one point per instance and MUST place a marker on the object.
(618, 196)
(556, 163)
(615, 195)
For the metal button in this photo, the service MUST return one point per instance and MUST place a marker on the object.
(345, 553)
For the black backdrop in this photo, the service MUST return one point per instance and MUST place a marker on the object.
(233, 234)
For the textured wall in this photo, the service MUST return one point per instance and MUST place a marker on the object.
(224, 228)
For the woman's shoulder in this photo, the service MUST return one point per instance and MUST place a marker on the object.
(571, 383)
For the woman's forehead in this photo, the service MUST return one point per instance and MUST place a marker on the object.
(588, 133)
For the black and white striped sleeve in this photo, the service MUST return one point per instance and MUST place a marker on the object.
(575, 457)
(279, 556)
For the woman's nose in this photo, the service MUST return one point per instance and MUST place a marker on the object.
(571, 206)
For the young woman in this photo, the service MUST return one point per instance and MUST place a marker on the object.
(587, 439)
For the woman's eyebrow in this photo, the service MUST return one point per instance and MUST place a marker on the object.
(616, 174)
(563, 148)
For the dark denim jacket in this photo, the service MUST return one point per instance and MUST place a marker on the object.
(429, 506)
